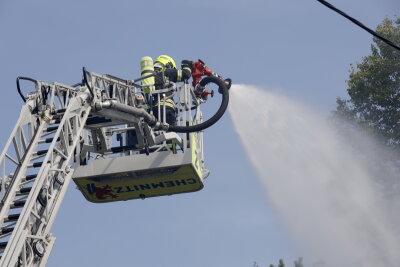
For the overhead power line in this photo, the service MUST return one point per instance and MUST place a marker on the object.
(360, 24)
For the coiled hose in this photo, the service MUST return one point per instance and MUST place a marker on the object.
(222, 89)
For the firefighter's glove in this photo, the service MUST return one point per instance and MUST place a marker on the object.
(187, 64)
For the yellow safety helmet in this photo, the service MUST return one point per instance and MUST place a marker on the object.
(165, 62)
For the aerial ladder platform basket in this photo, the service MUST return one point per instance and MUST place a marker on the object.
(102, 134)
(140, 176)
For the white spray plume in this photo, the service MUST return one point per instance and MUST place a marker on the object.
(323, 189)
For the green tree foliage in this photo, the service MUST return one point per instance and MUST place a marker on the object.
(374, 87)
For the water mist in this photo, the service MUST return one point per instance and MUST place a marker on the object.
(324, 190)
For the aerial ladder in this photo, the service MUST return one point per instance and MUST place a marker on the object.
(102, 134)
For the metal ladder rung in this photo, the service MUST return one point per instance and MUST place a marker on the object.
(17, 204)
(3, 245)
(12, 217)
(24, 191)
(30, 177)
(6, 231)
(35, 164)
(47, 140)
(52, 128)
(41, 152)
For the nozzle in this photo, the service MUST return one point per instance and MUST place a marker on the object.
(228, 82)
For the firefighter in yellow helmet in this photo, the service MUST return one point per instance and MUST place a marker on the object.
(166, 71)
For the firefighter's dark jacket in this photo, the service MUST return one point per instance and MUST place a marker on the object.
(174, 75)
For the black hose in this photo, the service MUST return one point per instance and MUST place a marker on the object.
(228, 83)
(145, 77)
(19, 88)
(86, 82)
(222, 89)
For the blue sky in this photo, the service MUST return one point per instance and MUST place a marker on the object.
(299, 48)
